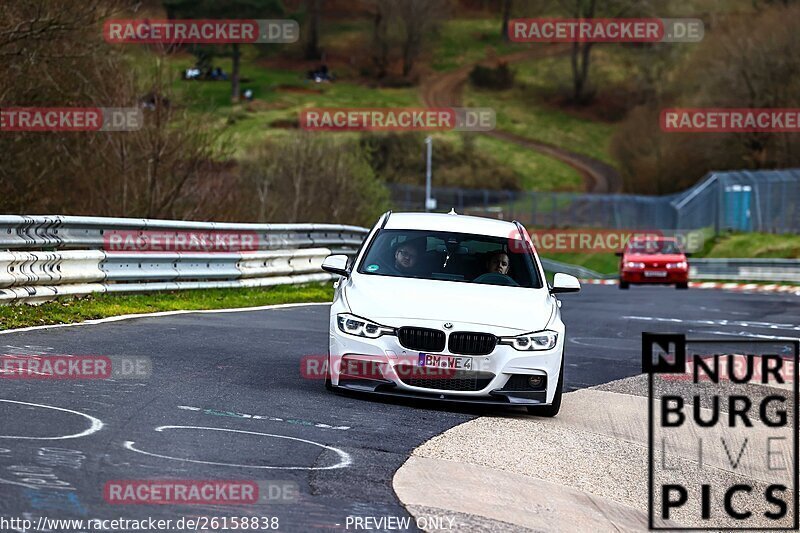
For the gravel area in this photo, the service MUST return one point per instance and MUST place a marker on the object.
(595, 462)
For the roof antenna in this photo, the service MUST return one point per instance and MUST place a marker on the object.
(452, 211)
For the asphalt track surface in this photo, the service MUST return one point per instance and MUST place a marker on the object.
(217, 370)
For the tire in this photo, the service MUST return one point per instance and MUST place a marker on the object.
(682, 286)
(549, 411)
(624, 285)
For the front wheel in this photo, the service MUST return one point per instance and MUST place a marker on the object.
(683, 286)
(623, 285)
(551, 410)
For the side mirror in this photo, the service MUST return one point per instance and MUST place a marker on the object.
(336, 264)
(688, 254)
(619, 254)
(565, 283)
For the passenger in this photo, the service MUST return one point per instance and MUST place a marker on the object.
(498, 263)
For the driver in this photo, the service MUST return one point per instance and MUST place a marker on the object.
(498, 263)
(407, 256)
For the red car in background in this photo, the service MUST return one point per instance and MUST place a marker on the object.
(657, 261)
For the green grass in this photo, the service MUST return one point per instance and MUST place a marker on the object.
(539, 172)
(521, 110)
(464, 41)
(104, 305)
(755, 245)
(280, 96)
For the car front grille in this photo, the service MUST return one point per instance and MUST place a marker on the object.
(421, 339)
(470, 343)
(461, 380)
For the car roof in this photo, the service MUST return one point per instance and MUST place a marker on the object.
(452, 223)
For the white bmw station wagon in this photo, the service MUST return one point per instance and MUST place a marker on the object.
(448, 307)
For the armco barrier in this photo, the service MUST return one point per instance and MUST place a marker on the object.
(43, 257)
(35, 277)
(71, 232)
(745, 269)
(776, 270)
(50, 256)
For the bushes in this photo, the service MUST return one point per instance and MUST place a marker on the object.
(311, 178)
(498, 78)
(400, 158)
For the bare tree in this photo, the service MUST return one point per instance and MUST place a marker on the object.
(314, 14)
(311, 178)
(420, 19)
(743, 64)
(581, 55)
(56, 56)
(382, 17)
(507, 4)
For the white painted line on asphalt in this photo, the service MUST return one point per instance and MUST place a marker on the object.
(750, 335)
(344, 457)
(161, 313)
(96, 424)
(232, 414)
(721, 322)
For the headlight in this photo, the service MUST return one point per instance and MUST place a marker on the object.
(361, 327)
(634, 264)
(529, 342)
(682, 265)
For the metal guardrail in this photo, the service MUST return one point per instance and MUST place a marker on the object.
(745, 269)
(50, 256)
(71, 232)
(776, 270)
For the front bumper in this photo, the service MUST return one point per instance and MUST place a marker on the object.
(388, 389)
(389, 363)
(640, 277)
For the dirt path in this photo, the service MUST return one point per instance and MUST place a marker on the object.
(444, 90)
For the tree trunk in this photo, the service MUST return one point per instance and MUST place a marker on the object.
(235, 89)
(506, 17)
(380, 55)
(581, 57)
(312, 45)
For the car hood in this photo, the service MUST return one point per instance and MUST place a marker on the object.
(390, 300)
(651, 258)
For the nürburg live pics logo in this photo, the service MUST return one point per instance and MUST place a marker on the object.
(723, 433)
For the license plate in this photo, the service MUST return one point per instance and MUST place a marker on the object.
(655, 274)
(445, 361)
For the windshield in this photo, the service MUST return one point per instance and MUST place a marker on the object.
(448, 256)
(653, 247)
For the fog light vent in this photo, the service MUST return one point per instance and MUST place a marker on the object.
(535, 381)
